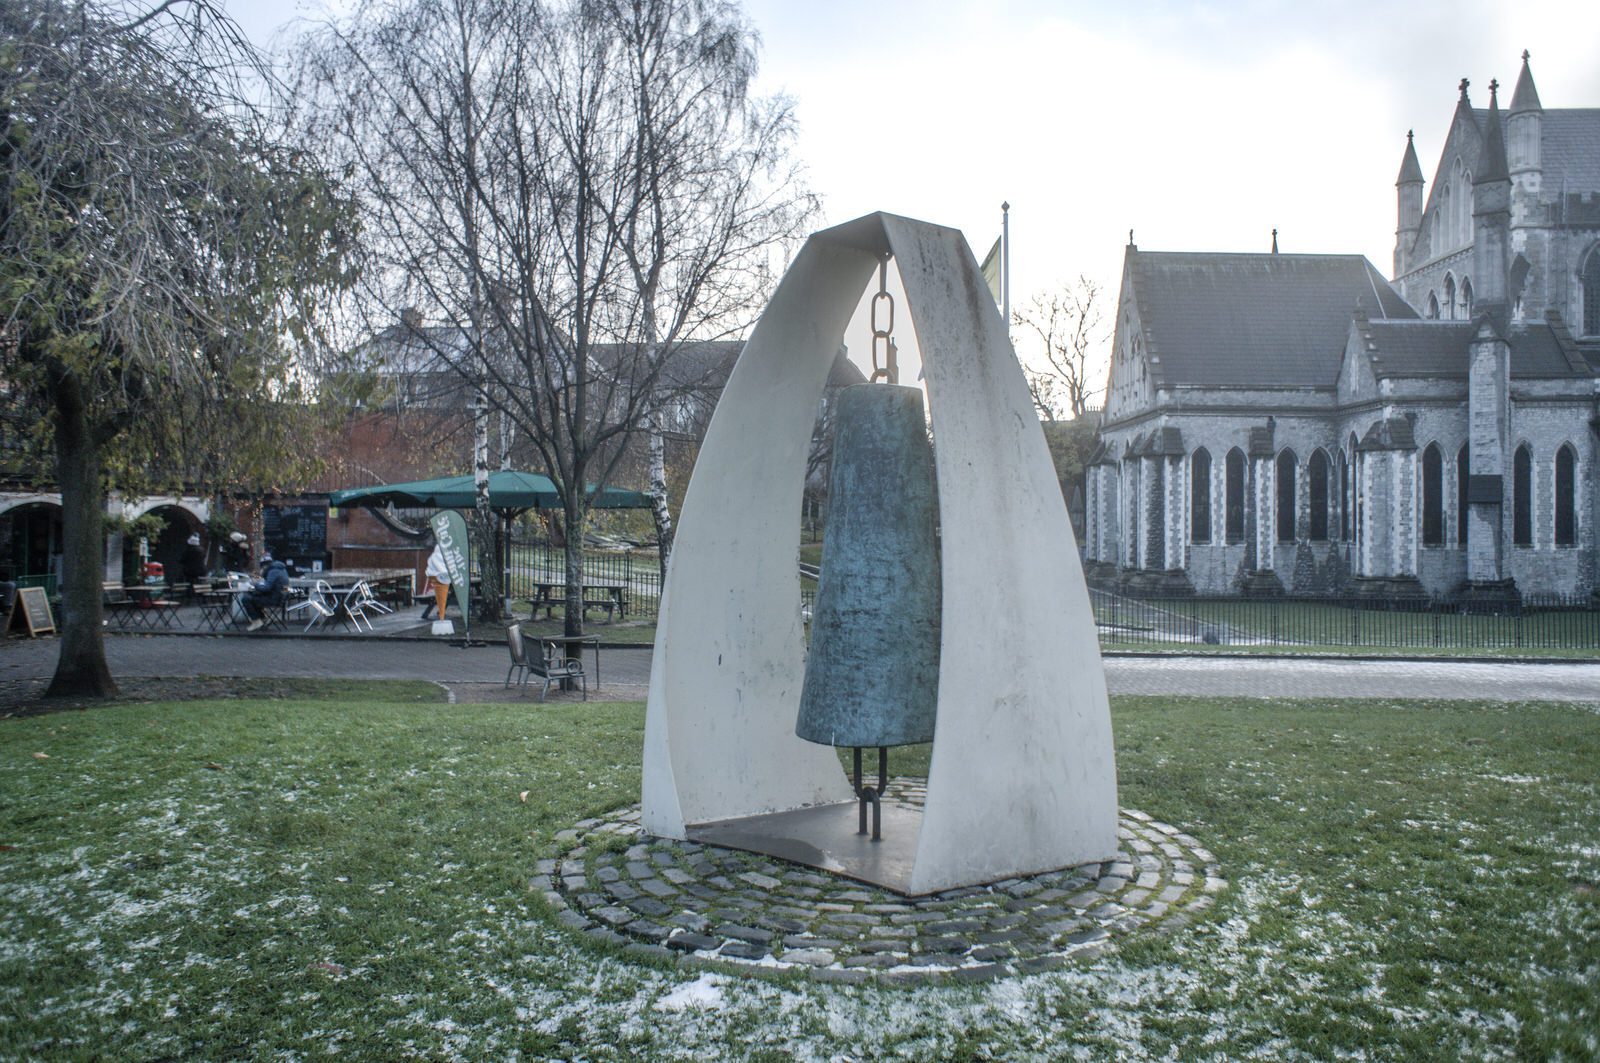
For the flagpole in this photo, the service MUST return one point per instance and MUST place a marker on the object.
(1005, 264)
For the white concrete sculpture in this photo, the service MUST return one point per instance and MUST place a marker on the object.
(1023, 775)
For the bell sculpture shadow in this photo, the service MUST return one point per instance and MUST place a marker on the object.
(991, 651)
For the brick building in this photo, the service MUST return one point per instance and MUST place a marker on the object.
(1296, 423)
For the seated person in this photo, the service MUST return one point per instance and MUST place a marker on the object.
(267, 592)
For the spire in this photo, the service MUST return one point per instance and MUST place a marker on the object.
(1410, 169)
(1526, 97)
(1274, 241)
(1492, 164)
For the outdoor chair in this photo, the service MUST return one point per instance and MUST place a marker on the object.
(553, 666)
(317, 610)
(370, 600)
(519, 655)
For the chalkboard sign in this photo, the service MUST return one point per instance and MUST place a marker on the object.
(298, 533)
(35, 610)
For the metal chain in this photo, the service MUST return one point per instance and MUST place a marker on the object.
(889, 368)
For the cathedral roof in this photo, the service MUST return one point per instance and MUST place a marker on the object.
(1254, 320)
(1443, 349)
(1569, 145)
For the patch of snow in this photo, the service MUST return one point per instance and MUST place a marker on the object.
(704, 994)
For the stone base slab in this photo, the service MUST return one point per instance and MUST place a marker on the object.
(754, 913)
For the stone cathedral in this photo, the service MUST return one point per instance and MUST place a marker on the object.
(1298, 424)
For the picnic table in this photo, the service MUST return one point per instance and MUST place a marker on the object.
(607, 594)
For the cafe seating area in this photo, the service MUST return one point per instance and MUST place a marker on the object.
(352, 601)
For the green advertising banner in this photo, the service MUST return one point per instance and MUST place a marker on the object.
(450, 530)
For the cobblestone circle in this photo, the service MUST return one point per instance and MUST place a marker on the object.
(751, 913)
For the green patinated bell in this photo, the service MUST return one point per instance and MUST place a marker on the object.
(872, 676)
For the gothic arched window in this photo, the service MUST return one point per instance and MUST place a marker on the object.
(1432, 497)
(1200, 496)
(1466, 298)
(1286, 467)
(1566, 496)
(1522, 497)
(1449, 297)
(1235, 496)
(1463, 474)
(1591, 294)
(1344, 498)
(1433, 307)
(1317, 486)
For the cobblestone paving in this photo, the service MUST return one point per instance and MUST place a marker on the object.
(751, 913)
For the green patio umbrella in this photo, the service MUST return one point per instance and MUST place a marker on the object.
(509, 490)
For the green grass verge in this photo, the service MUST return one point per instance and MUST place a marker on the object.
(322, 875)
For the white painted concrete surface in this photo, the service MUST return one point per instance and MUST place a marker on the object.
(1023, 775)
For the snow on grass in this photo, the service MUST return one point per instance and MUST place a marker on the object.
(1402, 886)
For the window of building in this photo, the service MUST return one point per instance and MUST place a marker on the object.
(1466, 298)
(1317, 486)
(1522, 497)
(1344, 498)
(1433, 307)
(1449, 297)
(1591, 294)
(1200, 496)
(1235, 496)
(1432, 497)
(1566, 496)
(1463, 473)
(1286, 514)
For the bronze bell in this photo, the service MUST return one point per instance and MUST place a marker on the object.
(872, 675)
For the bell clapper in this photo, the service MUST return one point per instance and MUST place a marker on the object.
(869, 795)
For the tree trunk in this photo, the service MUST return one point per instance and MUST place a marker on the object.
(659, 509)
(490, 600)
(81, 669)
(576, 511)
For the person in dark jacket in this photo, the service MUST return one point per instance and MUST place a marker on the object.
(267, 592)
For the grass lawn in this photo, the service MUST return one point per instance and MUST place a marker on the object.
(314, 875)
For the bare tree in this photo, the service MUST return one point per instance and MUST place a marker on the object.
(577, 188)
(1071, 329)
(165, 261)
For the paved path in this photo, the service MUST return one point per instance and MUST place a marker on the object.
(625, 672)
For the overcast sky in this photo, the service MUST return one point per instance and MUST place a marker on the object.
(1201, 126)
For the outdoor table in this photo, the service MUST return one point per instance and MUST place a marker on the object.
(567, 642)
(551, 593)
(150, 607)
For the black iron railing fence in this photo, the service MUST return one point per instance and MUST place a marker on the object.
(531, 564)
(1546, 622)
(1551, 622)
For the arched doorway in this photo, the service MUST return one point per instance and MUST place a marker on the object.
(166, 541)
(30, 544)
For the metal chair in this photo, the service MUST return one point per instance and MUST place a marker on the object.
(554, 666)
(370, 600)
(519, 655)
(315, 607)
